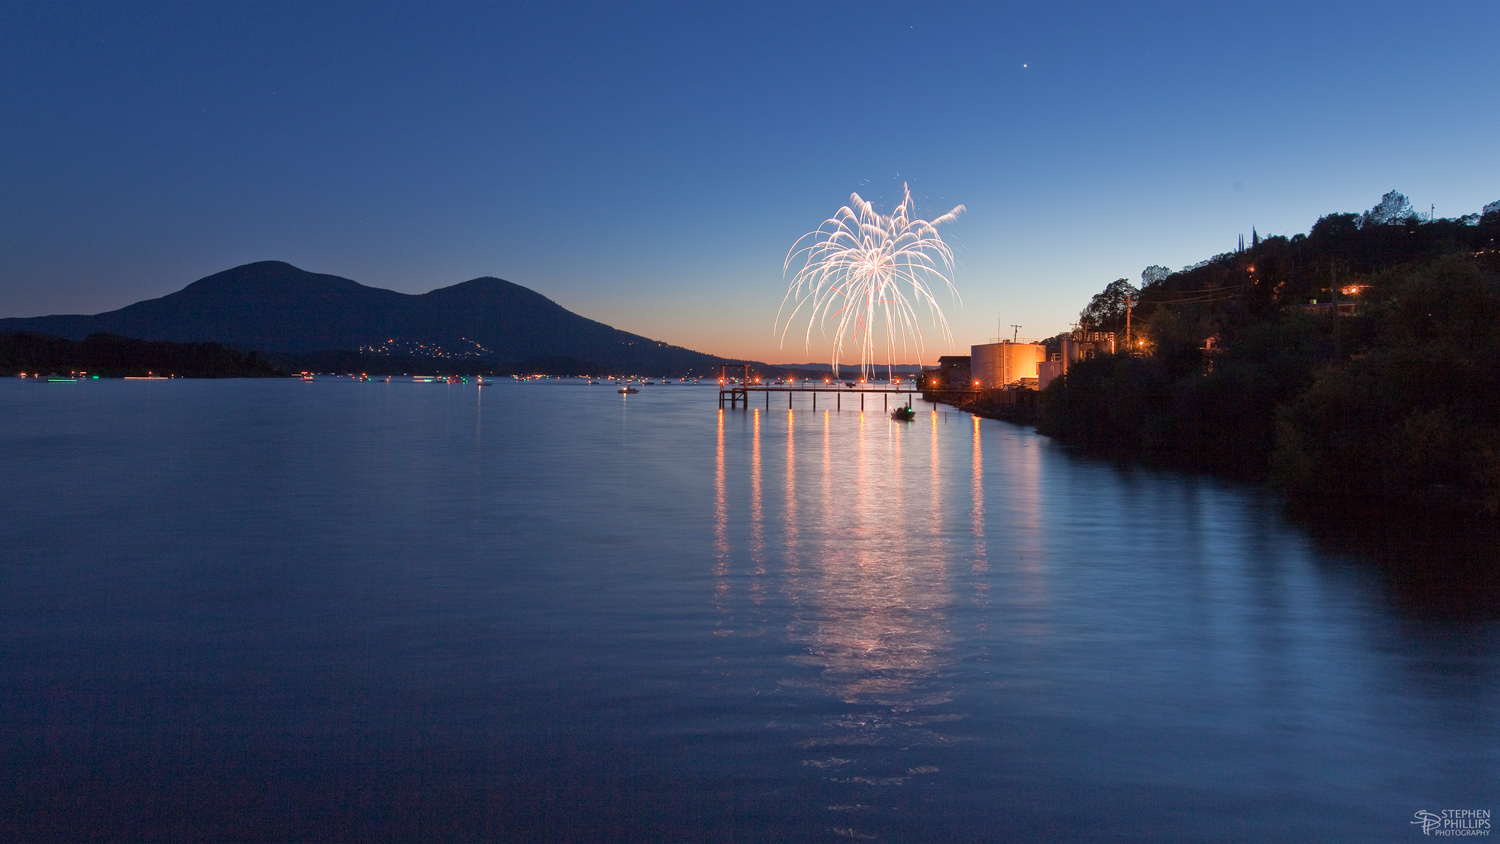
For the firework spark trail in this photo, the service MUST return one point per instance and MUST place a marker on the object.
(855, 268)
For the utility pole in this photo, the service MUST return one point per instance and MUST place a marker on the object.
(1015, 333)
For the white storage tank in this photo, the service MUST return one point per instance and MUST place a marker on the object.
(996, 365)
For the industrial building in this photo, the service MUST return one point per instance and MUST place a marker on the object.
(1006, 364)
(951, 373)
(1079, 346)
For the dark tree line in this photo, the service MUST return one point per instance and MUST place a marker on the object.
(109, 356)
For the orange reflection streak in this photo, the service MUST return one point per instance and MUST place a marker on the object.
(976, 516)
(861, 485)
(827, 469)
(721, 525)
(935, 487)
(790, 522)
(870, 617)
(898, 433)
(757, 520)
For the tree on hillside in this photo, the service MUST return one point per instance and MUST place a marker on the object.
(1392, 209)
(1154, 274)
(1106, 311)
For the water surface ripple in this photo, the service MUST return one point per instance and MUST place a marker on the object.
(341, 611)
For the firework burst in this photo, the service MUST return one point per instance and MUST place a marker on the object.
(860, 267)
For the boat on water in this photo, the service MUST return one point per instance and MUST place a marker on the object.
(627, 390)
(904, 414)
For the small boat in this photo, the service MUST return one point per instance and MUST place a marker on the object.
(903, 414)
(307, 376)
(627, 390)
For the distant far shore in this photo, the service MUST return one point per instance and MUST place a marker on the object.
(111, 356)
(108, 356)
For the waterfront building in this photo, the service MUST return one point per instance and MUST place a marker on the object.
(951, 373)
(1006, 364)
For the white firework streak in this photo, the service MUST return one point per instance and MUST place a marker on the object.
(861, 263)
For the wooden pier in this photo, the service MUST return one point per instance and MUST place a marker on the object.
(735, 391)
(734, 395)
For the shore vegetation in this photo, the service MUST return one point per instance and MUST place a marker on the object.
(109, 356)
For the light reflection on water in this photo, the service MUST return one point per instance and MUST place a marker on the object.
(1087, 601)
(979, 559)
(372, 611)
(868, 613)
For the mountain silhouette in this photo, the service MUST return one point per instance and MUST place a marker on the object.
(275, 307)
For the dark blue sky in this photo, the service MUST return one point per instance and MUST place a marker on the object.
(649, 165)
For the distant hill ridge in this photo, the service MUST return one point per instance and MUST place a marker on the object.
(273, 306)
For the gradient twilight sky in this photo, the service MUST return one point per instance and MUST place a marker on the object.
(649, 165)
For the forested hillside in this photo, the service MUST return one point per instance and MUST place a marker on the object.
(1238, 365)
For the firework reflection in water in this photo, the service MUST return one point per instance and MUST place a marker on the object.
(860, 265)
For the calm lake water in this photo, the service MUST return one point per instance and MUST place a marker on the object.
(274, 610)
